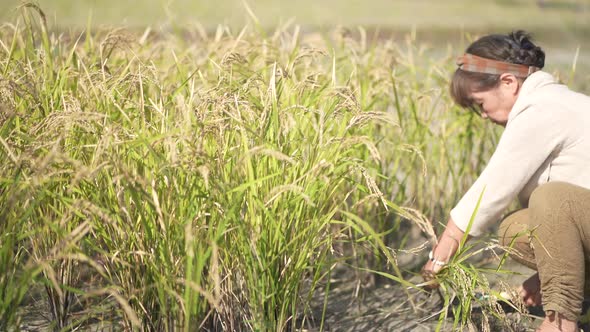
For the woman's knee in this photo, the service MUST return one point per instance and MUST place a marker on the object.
(549, 195)
(514, 234)
(514, 227)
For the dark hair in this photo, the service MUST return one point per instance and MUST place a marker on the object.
(516, 47)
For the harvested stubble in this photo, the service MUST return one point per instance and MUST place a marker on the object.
(198, 183)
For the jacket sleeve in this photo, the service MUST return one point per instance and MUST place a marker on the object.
(527, 142)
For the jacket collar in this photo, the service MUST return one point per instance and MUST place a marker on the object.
(535, 81)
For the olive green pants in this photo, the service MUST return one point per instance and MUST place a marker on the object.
(552, 236)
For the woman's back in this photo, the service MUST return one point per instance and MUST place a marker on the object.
(553, 111)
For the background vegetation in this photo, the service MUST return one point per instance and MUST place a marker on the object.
(558, 15)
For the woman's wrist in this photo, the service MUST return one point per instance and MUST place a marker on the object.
(436, 262)
(448, 243)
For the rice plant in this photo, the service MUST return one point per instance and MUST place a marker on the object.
(162, 182)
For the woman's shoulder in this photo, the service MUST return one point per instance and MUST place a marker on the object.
(545, 93)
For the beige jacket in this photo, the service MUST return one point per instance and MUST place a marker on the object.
(547, 138)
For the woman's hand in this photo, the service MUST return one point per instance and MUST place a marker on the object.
(429, 271)
(530, 291)
(448, 243)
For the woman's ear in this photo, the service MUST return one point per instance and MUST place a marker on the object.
(510, 83)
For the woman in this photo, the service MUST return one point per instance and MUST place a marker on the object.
(543, 158)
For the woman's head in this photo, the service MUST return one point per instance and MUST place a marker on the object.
(514, 48)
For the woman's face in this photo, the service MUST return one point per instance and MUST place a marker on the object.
(496, 104)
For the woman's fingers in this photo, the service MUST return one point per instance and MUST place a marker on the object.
(530, 296)
(538, 299)
(429, 277)
(532, 301)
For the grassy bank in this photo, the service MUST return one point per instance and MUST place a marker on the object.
(553, 15)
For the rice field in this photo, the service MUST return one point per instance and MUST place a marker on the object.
(216, 179)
